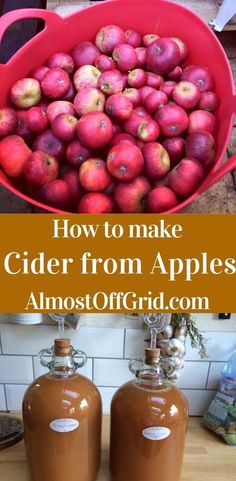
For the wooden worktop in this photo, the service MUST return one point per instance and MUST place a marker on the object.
(207, 458)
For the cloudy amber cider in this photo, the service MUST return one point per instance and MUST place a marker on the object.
(62, 425)
(148, 427)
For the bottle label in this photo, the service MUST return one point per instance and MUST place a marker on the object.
(64, 425)
(156, 433)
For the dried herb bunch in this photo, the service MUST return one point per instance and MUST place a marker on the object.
(196, 338)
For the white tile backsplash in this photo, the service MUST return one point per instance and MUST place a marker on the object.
(14, 396)
(193, 375)
(107, 394)
(215, 375)
(86, 370)
(96, 342)
(111, 372)
(134, 342)
(219, 346)
(198, 401)
(16, 369)
(2, 399)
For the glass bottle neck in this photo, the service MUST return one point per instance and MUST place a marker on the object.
(62, 366)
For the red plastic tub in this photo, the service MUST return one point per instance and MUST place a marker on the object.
(161, 16)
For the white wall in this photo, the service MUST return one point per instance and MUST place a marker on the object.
(109, 348)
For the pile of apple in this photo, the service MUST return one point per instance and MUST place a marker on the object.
(119, 125)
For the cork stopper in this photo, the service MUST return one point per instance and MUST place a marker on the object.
(62, 347)
(152, 356)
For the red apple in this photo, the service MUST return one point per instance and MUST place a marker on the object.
(156, 160)
(95, 203)
(8, 121)
(172, 120)
(71, 177)
(141, 56)
(125, 162)
(49, 143)
(155, 100)
(108, 37)
(111, 82)
(70, 94)
(133, 95)
(89, 99)
(149, 38)
(43, 105)
(131, 125)
(200, 76)
(37, 120)
(123, 138)
(154, 80)
(202, 120)
(61, 60)
(64, 127)
(14, 154)
(59, 107)
(163, 56)
(124, 76)
(200, 145)
(176, 73)
(145, 91)
(119, 107)
(22, 128)
(103, 63)
(175, 147)
(186, 94)
(148, 131)
(182, 48)
(125, 57)
(208, 101)
(56, 194)
(55, 83)
(168, 87)
(116, 129)
(137, 78)
(86, 76)
(130, 197)
(85, 53)
(186, 177)
(77, 153)
(39, 72)
(40, 169)
(25, 93)
(161, 199)
(95, 130)
(93, 175)
(133, 38)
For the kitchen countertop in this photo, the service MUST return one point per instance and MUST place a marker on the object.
(207, 457)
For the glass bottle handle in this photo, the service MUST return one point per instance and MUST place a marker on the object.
(81, 356)
(167, 366)
(45, 353)
(132, 362)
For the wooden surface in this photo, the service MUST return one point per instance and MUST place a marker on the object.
(207, 9)
(207, 458)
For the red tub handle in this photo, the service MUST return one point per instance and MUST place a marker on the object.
(52, 20)
(218, 174)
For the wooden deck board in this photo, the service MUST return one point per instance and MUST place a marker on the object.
(207, 9)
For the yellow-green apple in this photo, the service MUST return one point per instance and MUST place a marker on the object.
(86, 76)
(25, 93)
